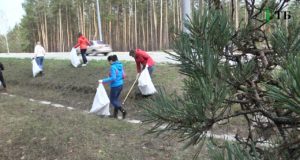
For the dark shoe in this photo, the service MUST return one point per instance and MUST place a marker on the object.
(124, 113)
(115, 115)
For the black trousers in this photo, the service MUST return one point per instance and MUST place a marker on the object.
(2, 79)
(83, 54)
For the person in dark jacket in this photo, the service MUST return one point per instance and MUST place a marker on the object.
(1, 76)
(116, 80)
(82, 43)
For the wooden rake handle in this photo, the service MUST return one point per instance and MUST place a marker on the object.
(130, 89)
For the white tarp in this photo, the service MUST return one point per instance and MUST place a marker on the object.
(74, 58)
(35, 68)
(101, 102)
(145, 83)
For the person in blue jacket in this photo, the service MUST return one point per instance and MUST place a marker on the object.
(116, 80)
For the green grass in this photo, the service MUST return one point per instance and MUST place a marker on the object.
(76, 87)
(37, 132)
(33, 131)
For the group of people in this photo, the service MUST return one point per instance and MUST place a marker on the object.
(116, 74)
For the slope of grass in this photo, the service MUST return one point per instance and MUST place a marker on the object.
(76, 87)
(33, 131)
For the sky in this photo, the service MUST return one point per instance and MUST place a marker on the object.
(11, 13)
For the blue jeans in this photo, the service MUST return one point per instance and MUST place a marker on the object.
(151, 69)
(115, 93)
(40, 61)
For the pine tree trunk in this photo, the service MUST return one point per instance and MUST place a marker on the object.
(68, 31)
(237, 8)
(60, 31)
(110, 29)
(166, 30)
(125, 28)
(155, 25)
(178, 15)
(46, 33)
(143, 31)
(129, 30)
(135, 25)
(161, 26)
(174, 15)
(151, 28)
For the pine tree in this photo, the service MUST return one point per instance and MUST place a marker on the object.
(250, 67)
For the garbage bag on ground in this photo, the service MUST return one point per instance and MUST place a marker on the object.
(74, 58)
(145, 83)
(35, 68)
(101, 102)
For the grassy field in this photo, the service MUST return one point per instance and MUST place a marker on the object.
(76, 87)
(34, 131)
(38, 132)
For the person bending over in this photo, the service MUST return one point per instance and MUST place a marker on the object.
(142, 60)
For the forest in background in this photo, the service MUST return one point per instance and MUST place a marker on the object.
(126, 24)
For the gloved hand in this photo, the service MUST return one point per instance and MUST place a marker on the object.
(100, 81)
(137, 76)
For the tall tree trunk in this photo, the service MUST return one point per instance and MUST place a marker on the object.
(117, 30)
(129, 29)
(143, 31)
(161, 26)
(79, 18)
(174, 15)
(135, 25)
(147, 38)
(39, 32)
(110, 26)
(46, 33)
(166, 30)
(155, 25)
(151, 27)
(60, 30)
(83, 19)
(68, 31)
(125, 27)
(237, 8)
(178, 15)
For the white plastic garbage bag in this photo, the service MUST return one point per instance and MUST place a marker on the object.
(74, 58)
(35, 68)
(145, 83)
(101, 102)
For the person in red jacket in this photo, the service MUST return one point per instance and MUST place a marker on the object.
(142, 59)
(82, 43)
